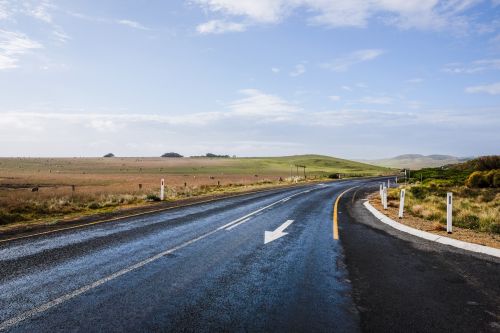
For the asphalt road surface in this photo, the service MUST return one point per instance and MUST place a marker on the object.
(263, 262)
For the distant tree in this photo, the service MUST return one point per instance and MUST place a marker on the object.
(109, 155)
(216, 156)
(171, 155)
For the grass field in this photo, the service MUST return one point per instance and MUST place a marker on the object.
(102, 184)
(476, 201)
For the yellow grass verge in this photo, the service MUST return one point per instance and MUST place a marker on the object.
(466, 235)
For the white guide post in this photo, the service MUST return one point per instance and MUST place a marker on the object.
(401, 203)
(380, 191)
(388, 183)
(162, 189)
(449, 212)
(385, 197)
(396, 180)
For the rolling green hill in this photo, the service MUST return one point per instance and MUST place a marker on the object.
(417, 161)
(315, 164)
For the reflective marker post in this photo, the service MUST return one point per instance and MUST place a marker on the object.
(385, 198)
(380, 191)
(401, 203)
(162, 189)
(449, 213)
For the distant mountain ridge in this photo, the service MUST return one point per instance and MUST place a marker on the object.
(418, 161)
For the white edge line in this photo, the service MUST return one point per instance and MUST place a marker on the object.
(61, 299)
(46, 306)
(432, 237)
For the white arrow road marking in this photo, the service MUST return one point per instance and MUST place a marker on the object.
(269, 236)
(50, 304)
(232, 224)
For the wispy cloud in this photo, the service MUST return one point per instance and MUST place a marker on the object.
(219, 27)
(125, 22)
(415, 80)
(380, 100)
(132, 24)
(12, 46)
(492, 89)
(275, 70)
(345, 62)
(298, 70)
(39, 10)
(474, 67)
(267, 107)
(334, 98)
(431, 14)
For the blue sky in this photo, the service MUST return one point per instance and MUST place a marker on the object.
(354, 79)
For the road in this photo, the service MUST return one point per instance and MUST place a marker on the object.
(260, 262)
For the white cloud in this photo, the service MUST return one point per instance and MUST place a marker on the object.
(345, 62)
(60, 36)
(415, 80)
(39, 10)
(474, 67)
(420, 14)
(275, 70)
(132, 24)
(12, 46)
(219, 27)
(298, 70)
(334, 98)
(382, 100)
(265, 106)
(492, 89)
(4, 10)
(268, 11)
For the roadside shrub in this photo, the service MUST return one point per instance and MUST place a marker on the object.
(483, 179)
(152, 197)
(469, 221)
(495, 228)
(94, 205)
(476, 179)
(418, 192)
(6, 218)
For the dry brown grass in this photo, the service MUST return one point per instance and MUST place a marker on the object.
(432, 219)
(103, 184)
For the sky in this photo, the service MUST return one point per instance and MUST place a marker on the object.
(352, 79)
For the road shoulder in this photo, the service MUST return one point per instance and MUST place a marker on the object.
(404, 283)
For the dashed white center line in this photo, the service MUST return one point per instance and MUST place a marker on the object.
(47, 306)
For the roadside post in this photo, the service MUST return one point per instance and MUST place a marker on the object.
(388, 183)
(380, 191)
(162, 189)
(385, 197)
(449, 212)
(401, 203)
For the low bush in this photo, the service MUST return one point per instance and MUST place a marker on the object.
(152, 197)
(482, 179)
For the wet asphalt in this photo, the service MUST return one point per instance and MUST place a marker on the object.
(205, 268)
(228, 280)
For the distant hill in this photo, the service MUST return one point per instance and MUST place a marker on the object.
(418, 161)
(315, 164)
